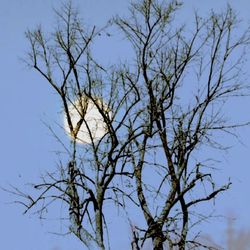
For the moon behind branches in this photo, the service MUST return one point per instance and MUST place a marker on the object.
(93, 118)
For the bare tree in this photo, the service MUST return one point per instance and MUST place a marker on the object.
(83, 181)
(160, 113)
(233, 237)
(186, 78)
(237, 238)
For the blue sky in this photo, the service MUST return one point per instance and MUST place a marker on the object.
(26, 101)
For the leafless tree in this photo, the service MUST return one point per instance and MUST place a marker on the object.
(186, 77)
(232, 237)
(237, 238)
(160, 113)
(83, 181)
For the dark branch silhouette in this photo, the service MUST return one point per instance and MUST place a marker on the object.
(160, 113)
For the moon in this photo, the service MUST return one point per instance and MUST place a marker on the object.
(93, 124)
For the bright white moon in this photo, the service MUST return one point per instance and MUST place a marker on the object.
(93, 118)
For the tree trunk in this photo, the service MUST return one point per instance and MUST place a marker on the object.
(99, 219)
(99, 227)
(158, 243)
(157, 236)
(182, 247)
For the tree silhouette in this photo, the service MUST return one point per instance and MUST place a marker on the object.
(161, 112)
(186, 78)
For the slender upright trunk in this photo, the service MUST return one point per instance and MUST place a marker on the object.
(182, 246)
(157, 243)
(157, 236)
(99, 220)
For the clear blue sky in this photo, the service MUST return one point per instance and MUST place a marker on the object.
(27, 147)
